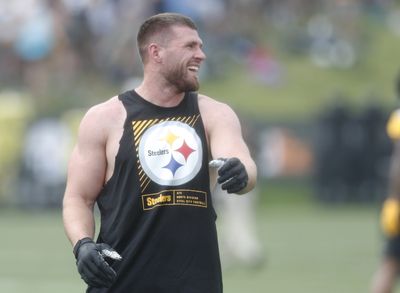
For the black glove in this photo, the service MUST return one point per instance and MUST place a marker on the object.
(232, 175)
(92, 267)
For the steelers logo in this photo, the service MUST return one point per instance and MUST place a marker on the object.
(170, 153)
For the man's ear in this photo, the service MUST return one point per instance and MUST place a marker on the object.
(154, 51)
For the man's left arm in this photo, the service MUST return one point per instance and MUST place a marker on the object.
(238, 174)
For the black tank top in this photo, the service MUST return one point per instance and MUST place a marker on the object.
(156, 209)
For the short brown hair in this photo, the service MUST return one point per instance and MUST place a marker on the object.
(157, 24)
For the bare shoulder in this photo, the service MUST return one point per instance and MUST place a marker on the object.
(212, 109)
(110, 109)
(215, 113)
(100, 118)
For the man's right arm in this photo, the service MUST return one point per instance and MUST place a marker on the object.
(86, 173)
(86, 177)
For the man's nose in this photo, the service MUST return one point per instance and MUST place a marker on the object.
(200, 54)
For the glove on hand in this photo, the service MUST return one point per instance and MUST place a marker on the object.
(92, 267)
(232, 175)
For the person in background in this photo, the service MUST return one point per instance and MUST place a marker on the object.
(385, 278)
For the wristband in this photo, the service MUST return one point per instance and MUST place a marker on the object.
(80, 243)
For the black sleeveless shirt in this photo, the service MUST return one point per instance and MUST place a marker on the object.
(156, 209)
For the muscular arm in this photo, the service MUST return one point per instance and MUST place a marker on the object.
(86, 173)
(225, 136)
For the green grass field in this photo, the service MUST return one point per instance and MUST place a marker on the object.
(309, 248)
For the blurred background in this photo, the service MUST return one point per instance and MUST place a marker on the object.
(312, 82)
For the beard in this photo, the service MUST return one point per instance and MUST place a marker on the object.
(181, 79)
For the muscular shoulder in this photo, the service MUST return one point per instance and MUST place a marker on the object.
(217, 117)
(99, 119)
(107, 110)
(212, 110)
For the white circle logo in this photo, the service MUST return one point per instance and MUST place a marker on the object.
(170, 153)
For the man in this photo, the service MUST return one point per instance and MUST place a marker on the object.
(385, 278)
(143, 158)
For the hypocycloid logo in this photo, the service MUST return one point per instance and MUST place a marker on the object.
(170, 153)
